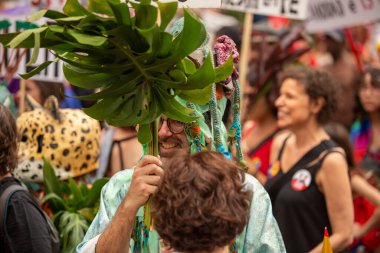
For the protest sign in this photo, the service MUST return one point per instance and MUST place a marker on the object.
(197, 3)
(325, 15)
(10, 56)
(294, 9)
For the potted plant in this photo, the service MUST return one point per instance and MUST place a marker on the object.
(73, 206)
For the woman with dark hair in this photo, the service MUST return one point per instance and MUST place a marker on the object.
(260, 128)
(308, 181)
(201, 204)
(365, 138)
(120, 149)
(259, 131)
(25, 228)
(365, 133)
(366, 196)
(39, 91)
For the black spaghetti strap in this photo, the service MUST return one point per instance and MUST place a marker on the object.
(118, 144)
(311, 155)
(320, 161)
(120, 154)
(313, 168)
(282, 147)
(125, 139)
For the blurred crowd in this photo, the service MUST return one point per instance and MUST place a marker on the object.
(310, 128)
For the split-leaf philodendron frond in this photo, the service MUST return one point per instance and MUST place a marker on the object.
(122, 49)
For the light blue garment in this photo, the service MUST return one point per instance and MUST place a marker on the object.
(6, 98)
(260, 235)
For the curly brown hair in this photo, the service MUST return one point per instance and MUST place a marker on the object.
(201, 203)
(8, 143)
(317, 83)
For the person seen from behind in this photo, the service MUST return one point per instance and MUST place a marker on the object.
(201, 204)
(24, 228)
(260, 128)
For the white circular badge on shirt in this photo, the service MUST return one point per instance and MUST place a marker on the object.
(301, 180)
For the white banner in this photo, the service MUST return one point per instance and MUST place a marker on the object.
(52, 73)
(294, 9)
(197, 3)
(325, 15)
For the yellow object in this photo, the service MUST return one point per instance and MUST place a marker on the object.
(326, 243)
(68, 138)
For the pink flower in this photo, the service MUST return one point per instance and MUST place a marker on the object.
(225, 47)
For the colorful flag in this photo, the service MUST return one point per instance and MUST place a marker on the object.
(326, 243)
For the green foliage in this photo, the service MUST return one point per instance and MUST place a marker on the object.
(135, 63)
(74, 206)
(72, 228)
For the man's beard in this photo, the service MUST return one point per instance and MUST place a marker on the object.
(165, 143)
(169, 146)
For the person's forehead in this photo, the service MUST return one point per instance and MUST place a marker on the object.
(166, 118)
(373, 77)
(31, 83)
(371, 80)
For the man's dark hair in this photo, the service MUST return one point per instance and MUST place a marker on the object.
(201, 203)
(8, 143)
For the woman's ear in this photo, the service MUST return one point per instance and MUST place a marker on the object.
(317, 105)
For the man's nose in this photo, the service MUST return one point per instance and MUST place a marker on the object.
(164, 131)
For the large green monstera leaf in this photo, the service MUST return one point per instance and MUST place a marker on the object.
(138, 67)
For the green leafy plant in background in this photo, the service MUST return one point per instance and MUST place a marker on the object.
(138, 67)
(74, 206)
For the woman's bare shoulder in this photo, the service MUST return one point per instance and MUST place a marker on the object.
(279, 138)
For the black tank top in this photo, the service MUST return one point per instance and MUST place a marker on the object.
(298, 205)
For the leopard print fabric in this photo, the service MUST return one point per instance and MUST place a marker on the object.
(68, 138)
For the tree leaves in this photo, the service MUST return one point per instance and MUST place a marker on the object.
(99, 6)
(74, 206)
(73, 8)
(37, 70)
(121, 12)
(72, 228)
(192, 36)
(167, 12)
(222, 72)
(86, 39)
(135, 64)
(145, 134)
(146, 15)
(24, 35)
(50, 179)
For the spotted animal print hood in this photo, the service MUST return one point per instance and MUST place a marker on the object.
(68, 138)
